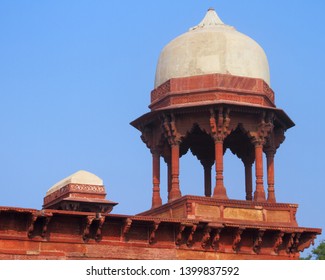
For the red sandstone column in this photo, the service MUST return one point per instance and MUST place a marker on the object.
(270, 175)
(259, 194)
(174, 191)
(156, 199)
(207, 178)
(219, 190)
(169, 175)
(248, 181)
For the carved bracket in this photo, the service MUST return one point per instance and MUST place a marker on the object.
(288, 242)
(31, 226)
(170, 131)
(98, 234)
(86, 231)
(237, 238)
(219, 124)
(38, 224)
(126, 228)
(147, 137)
(206, 236)
(258, 241)
(152, 141)
(278, 240)
(190, 237)
(215, 244)
(305, 241)
(294, 242)
(153, 231)
(179, 234)
(46, 221)
(264, 129)
(93, 227)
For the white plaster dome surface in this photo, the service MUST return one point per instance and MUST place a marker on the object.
(212, 47)
(80, 177)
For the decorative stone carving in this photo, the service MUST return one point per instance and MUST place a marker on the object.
(86, 231)
(179, 234)
(258, 241)
(169, 127)
(206, 236)
(216, 238)
(98, 234)
(305, 241)
(126, 228)
(40, 220)
(152, 235)
(278, 240)
(191, 235)
(219, 124)
(237, 238)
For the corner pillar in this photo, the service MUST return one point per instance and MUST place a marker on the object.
(270, 174)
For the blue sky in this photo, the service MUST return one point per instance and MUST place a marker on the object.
(74, 74)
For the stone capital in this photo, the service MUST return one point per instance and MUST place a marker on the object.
(219, 124)
(170, 130)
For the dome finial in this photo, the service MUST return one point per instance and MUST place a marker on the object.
(211, 19)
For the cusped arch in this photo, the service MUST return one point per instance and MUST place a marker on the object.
(240, 144)
(200, 142)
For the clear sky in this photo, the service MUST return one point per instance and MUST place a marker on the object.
(74, 74)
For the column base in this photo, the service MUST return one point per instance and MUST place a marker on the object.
(174, 194)
(259, 196)
(220, 192)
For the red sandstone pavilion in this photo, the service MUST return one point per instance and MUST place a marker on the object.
(212, 93)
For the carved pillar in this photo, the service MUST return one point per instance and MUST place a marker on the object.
(156, 198)
(174, 192)
(248, 180)
(219, 129)
(261, 136)
(173, 138)
(270, 174)
(259, 194)
(219, 190)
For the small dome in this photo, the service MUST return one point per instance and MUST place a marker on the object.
(80, 177)
(212, 47)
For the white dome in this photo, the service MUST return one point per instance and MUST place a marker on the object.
(80, 177)
(212, 47)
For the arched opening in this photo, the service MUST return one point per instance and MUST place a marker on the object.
(201, 146)
(240, 145)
